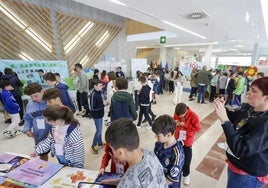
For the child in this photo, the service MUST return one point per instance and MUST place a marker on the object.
(35, 125)
(168, 150)
(122, 103)
(188, 124)
(65, 97)
(97, 111)
(52, 97)
(12, 108)
(144, 167)
(144, 100)
(65, 141)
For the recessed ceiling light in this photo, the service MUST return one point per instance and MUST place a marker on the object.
(247, 17)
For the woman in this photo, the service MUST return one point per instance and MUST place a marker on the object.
(246, 132)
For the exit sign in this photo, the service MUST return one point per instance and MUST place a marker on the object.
(162, 39)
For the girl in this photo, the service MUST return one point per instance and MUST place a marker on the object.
(65, 140)
(179, 80)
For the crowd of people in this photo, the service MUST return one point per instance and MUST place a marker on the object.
(49, 119)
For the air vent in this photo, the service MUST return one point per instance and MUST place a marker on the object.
(197, 15)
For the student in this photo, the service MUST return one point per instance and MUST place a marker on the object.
(167, 147)
(12, 108)
(144, 169)
(65, 141)
(97, 111)
(52, 97)
(188, 124)
(119, 73)
(122, 103)
(144, 102)
(35, 125)
(66, 100)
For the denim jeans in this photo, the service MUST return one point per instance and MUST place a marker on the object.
(144, 110)
(97, 140)
(201, 93)
(244, 181)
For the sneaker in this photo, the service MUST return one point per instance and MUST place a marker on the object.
(191, 99)
(138, 126)
(94, 150)
(87, 115)
(186, 180)
(149, 128)
(8, 134)
(102, 145)
(8, 121)
(21, 123)
(18, 132)
(79, 113)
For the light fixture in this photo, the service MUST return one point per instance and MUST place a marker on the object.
(25, 56)
(70, 45)
(192, 44)
(102, 39)
(264, 7)
(247, 17)
(118, 2)
(15, 18)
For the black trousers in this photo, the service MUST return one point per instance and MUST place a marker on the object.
(187, 160)
(20, 103)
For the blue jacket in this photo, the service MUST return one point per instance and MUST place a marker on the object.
(65, 97)
(96, 104)
(10, 104)
(34, 120)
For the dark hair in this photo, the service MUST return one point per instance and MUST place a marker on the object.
(4, 83)
(40, 70)
(164, 124)
(121, 83)
(111, 75)
(49, 76)
(8, 71)
(103, 74)
(97, 81)
(122, 133)
(78, 65)
(96, 71)
(240, 73)
(180, 108)
(51, 93)
(262, 84)
(32, 88)
(56, 112)
(260, 74)
(57, 74)
(142, 79)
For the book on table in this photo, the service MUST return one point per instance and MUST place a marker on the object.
(10, 161)
(34, 172)
(70, 177)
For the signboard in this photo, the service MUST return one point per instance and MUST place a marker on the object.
(28, 70)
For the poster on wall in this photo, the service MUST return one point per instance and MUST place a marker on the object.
(186, 67)
(138, 64)
(28, 70)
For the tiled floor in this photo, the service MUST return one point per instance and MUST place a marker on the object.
(207, 157)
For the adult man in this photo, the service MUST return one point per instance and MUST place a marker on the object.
(83, 89)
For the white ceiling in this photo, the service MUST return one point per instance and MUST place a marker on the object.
(225, 24)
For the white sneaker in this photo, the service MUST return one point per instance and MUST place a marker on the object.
(186, 180)
(138, 127)
(149, 128)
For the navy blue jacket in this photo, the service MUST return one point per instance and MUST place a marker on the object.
(96, 104)
(65, 97)
(14, 82)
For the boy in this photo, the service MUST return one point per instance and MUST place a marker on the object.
(63, 88)
(188, 124)
(144, 102)
(52, 97)
(35, 125)
(97, 111)
(168, 150)
(144, 167)
(122, 103)
(12, 108)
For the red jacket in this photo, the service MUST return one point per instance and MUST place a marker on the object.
(191, 126)
(108, 154)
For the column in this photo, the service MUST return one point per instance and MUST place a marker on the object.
(208, 55)
(163, 54)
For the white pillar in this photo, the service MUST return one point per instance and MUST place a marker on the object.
(255, 54)
(208, 55)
